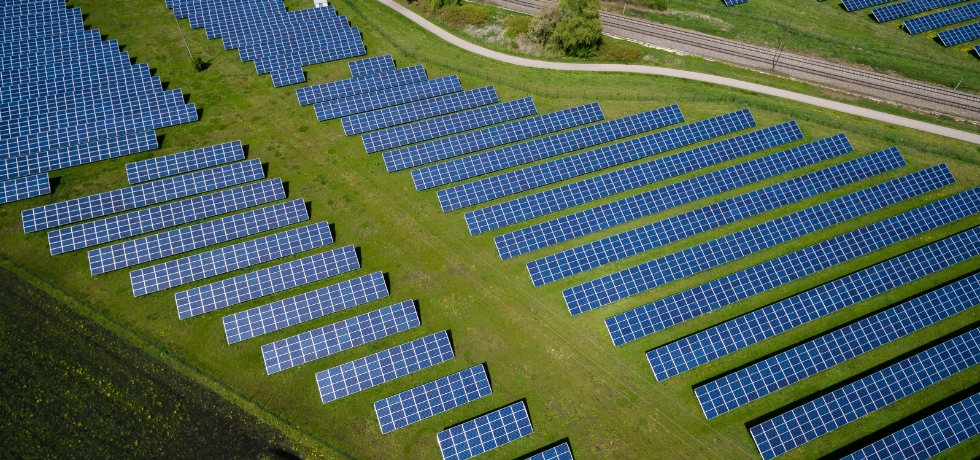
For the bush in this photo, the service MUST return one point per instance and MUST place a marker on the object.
(464, 15)
(435, 5)
(615, 51)
(573, 27)
(516, 25)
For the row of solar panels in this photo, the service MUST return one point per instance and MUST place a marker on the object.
(278, 41)
(916, 25)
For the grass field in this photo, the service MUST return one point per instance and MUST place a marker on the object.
(603, 399)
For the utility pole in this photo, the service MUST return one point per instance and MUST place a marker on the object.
(958, 84)
(182, 37)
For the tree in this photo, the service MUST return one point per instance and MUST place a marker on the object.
(572, 28)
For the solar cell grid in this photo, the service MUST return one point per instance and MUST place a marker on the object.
(344, 335)
(371, 65)
(182, 162)
(960, 35)
(485, 433)
(384, 366)
(735, 2)
(287, 39)
(287, 76)
(359, 85)
(440, 149)
(811, 420)
(23, 61)
(418, 110)
(84, 75)
(24, 188)
(347, 44)
(758, 380)
(17, 41)
(559, 452)
(267, 281)
(37, 33)
(337, 108)
(431, 399)
(501, 185)
(942, 18)
(75, 98)
(909, 8)
(622, 180)
(39, 18)
(304, 307)
(75, 155)
(99, 61)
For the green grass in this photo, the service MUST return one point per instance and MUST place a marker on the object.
(604, 399)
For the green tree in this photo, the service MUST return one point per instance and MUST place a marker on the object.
(572, 28)
(435, 5)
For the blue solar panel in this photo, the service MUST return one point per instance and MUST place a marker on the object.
(746, 385)
(137, 196)
(267, 281)
(371, 65)
(928, 437)
(227, 259)
(816, 418)
(976, 49)
(646, 276)
(620, 246)
(493, 136)
(485, 433)
(960, 35)
(708, 297)
(354, 86)
(304, 307)
(909, 8)
(24, 188)
(559, 452)
(80, 98)
(431, 399)
(179, 163)
(450, 124)
(735, 2)
(419, 110)
(366, 102)
(619, 181)
(384, 366)
(194, 237)
(163, 216)
(942, 18)
(312, 51)
(76, 155)
(538, 149)
(344, 335)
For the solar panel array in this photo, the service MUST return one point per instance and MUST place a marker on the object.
(371, 65)
(539, 149)
(158, 246)
(758, 380)
(384, 366)
(23, 188)
(366, 102)
(501, 185)
(230, 258)
(928, 437)
(184, 162)
(646, 276)
(811, 420)
(960, 35)
(559, 452)
(623, 180)
(267, 281)
(854, 5)
(909, 8)
(334, 338)
(629, 243)
(697, 301)
(450, 124)
(485, 433)
(359, 85)
(426, 108)
(77, 155)
(735, 2)
(440, 149)
(942, 18)
(433, 398)
(304, 307)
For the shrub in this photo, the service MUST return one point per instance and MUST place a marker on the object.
(435, 5)
(464, 15)
(615, 51)
(516, 25)
(573, 27)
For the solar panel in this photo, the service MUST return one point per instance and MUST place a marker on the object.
(359, 85)
(960, 35)
(304, 307)
(105, 92)
(594, 160)
(815, 418)
(494, 136)
(230, 258)
(287, 76)
(24, 188)
(928, 437)
(53, 160)
(909, 8)
(313, 50)
(163, 216)
(242, 288)
(344, 335)
(179, 163)
(138, 196)
(559, 452)
(366, 102)
(734, 2)
(629, 243)
(622, 180)
(646, 276)
(538, 149)
(485, 433)
(450, 124)
(418, 110)
(155, 247)
(942, 18)
(700, 300)
(431, 399)
(976, 49)
(854, 5)
(371, 65)
(746, 385)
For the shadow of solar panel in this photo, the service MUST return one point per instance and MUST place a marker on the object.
(942, 18)
(304, 307)
(431, 399)
(75, 155)
(746, 385)
(694, 302)
(531, 177)
(155, 247)
(360, 85)
(909, 8)
(626, 244)
(179, 163)
(344, 335)
(823, 415)
(418, 110)
(623, 180)
(24, 188)
(371, 65)
(386, 98)
(559, 452)
(384, 366)
(485, 433)
(960, 35)
(646, 276)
